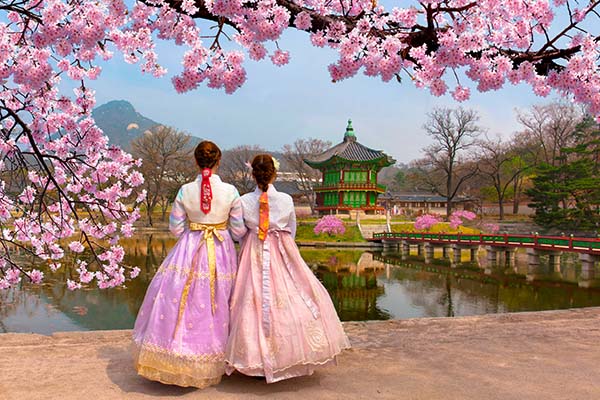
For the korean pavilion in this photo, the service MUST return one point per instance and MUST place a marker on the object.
(349, 176)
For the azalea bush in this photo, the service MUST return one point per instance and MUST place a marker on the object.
(490, 227)
(331, 225)
(458, 217)
(426, 221)
(60, 181)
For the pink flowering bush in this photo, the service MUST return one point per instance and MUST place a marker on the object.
(61, 181)
(426, 221)
(457, 217)
(490, 227)
(331, 225)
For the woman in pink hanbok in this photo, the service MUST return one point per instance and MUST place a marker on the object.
(283, 323)
(181, 329)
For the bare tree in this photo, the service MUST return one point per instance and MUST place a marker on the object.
(295, 154)
(500, 163)
(444, 166)
(550, 128)
(235, 168)
(166, 155)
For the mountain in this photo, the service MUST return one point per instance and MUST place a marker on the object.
(121, 122)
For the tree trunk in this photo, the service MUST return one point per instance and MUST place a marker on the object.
(149, 213)
(312, 199)
(449, 188)
(516, 196)
(500, 208)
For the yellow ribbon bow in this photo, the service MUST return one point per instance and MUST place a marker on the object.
(210, 232)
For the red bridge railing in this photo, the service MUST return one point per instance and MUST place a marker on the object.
(558, 243)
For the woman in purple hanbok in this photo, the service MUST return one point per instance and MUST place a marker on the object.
(181, 329)
(283, 323)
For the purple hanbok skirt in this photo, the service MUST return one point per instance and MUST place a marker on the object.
(179, 335)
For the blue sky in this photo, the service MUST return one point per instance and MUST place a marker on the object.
(278, 105)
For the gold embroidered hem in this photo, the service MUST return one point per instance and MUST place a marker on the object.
(159, 365)
(173, 379)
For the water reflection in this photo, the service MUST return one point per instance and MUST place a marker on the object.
(363, 286)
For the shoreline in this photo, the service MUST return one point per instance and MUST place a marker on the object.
(300, 243)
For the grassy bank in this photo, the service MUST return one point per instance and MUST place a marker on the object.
(305, 232)
(442, 227)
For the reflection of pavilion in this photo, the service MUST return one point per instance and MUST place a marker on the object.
(353, 288)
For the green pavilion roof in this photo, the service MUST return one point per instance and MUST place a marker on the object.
(349, 150)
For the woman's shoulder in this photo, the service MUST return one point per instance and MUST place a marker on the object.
(189, 186)
(229, 188)
(250, 196)
(285, 197)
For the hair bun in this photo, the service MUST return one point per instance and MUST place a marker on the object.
(207, 154)
(263, 170)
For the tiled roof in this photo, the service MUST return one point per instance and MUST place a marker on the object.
(349, 150)
(288, 187)
(419, 197)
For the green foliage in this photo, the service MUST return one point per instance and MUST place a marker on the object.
(566, 195)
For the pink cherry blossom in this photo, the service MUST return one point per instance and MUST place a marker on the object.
(76, 247)
(331, 225)
(36, 276)
(72, 285)
(426, 221)
(12, 276)
(280, 57)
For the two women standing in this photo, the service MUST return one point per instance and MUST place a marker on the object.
(282, 321)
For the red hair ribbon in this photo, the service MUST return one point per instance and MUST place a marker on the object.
(263, 215)
(205, 191)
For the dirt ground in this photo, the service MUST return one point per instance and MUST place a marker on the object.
(541, 355)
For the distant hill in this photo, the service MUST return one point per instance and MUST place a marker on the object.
(121, 122)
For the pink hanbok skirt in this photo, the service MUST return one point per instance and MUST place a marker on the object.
(283, 323)
(178, 338)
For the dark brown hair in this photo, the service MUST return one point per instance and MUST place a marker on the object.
(263, 170)
(207, 154)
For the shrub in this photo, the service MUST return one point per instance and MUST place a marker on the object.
(331, 225)
(426, 221)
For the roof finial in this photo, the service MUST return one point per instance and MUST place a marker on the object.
(349, 130)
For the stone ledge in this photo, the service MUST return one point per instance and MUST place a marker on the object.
(537, 355)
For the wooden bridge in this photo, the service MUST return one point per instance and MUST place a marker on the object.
(494, 244)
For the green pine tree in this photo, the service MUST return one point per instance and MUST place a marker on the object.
(566, 195)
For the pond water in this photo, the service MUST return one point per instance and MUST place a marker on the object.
(364, 285)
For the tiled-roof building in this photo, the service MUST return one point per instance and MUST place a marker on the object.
(420, 203)
(349, 180)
